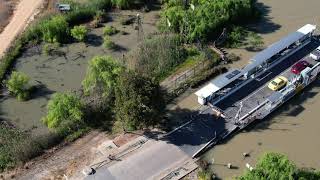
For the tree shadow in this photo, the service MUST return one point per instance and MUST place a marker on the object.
(265, 24)
(93, 40)
(40, 91)
(118, 47)
(193, 130)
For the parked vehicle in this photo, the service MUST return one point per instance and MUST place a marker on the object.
(315, 54)
(299, 66)
(278, 83)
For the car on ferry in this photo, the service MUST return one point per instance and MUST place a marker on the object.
(278, 83)
(299, 66)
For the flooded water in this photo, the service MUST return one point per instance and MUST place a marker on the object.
(65, 72)
(295, 127)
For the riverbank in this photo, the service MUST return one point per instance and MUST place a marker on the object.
(6, 10)
(24, 13)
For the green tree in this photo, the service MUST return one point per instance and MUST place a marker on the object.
(55, 29)
(18, 85)
(79, 32)
(139, 101)
(102, 73)
(65, 113)
(207, 19)
(271, 166)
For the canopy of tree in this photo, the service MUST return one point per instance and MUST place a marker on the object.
(203, 19)
(65, 113)
(102, 74)
(139, 101)
(274, 166)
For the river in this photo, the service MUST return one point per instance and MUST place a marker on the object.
(294, 128)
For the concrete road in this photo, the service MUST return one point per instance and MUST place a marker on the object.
(154, 158)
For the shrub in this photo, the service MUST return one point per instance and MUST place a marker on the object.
(19, 146)
(110, 30)
(237, 37)
(122, 4)
(50, 48)
(55, 29)
(79, 32)
(18, 85)
(99, 17)
(100, 4)
(65, 113)
(9, 57)
(204, 175)
(158, 56)
(79, 15)
(108, 43)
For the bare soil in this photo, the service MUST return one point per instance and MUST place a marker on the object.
(23, 14)
(60, 161)
(6, 10)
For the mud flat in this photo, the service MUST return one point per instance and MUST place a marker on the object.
(293, 129)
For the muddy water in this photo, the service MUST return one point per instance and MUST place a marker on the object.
(294, 128)
(65, 72)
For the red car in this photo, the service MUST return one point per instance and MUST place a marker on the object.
(299, 66)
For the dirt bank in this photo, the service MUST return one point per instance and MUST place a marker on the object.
(24, 12)
(6, 10)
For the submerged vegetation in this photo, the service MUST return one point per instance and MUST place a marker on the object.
(79, 32)
(18, 85)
